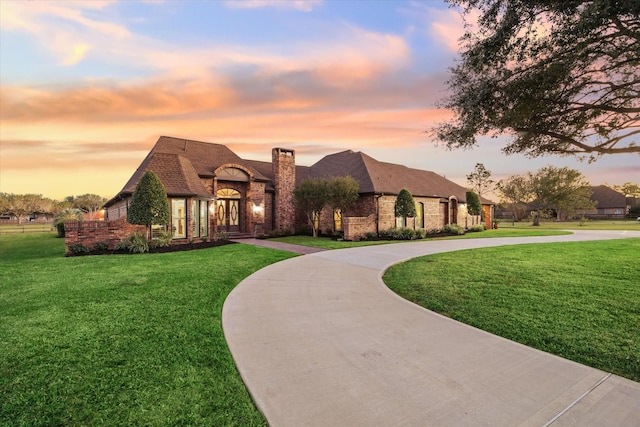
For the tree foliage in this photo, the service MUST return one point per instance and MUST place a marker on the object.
(562, 190)
(22, 206)
(310, 197)
(69, 214)
(149, 204)
(516, 194)
(480, 180)
(87, 203)
(559, 76)
(405, 207)
(343, 192)
(474, 207)
(629, 189)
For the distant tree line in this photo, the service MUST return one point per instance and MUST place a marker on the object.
(23, 206)
(562, 191)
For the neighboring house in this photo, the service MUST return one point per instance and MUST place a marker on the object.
(211, 188)
(609, 204)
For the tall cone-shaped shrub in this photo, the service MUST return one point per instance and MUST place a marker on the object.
(149, 204)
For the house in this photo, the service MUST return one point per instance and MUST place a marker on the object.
(609, 204)
(213, 189)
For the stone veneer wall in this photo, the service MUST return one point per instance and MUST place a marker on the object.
(284, 181)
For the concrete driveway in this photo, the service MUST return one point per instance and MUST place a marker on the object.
(319, 340)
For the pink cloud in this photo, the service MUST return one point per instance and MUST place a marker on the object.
(301, 5)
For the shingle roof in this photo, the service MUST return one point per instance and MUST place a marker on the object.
(389, 178)
(606, 197)
(176, 173)
(181, 163)
(205, 157)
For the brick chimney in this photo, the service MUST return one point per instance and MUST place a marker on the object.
(284, 182)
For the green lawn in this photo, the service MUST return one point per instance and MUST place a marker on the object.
(28, 227)
(328, 243)
(577, 300)
(121, 339)
(574, 225)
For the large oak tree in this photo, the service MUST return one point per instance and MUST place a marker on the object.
(558, 76)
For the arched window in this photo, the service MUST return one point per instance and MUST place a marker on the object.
(228, 193)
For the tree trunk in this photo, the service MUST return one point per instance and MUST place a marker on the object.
(536, 218)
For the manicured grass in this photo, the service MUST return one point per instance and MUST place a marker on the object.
(574, 225)
(120, 339)
(328, 243)
(28, 227)
(577, 300)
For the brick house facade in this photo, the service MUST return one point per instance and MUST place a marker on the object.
(210, 189)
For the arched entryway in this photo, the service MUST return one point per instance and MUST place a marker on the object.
(228, 210)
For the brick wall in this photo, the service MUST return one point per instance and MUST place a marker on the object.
(355, 228)
(284, 181)
(256, 207)
(91, 232)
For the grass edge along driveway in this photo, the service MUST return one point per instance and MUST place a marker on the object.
(120, 339)
(577, 300)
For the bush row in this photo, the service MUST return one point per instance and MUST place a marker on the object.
(137, 243)
(405, 233)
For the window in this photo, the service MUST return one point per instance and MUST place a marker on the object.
(156, 230)
(228, 193)
(419, 215)
(200, 218)
(337, 219)
(178, 218)
(204, 218)
(195, 218)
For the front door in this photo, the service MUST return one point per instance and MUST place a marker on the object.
(228, 215)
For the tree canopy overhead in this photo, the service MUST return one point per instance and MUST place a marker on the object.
(559, 76)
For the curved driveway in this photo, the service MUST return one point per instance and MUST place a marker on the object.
(319, 340)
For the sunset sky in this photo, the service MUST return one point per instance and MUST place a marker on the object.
(86, 88)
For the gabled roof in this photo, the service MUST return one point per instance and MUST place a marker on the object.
(389, 178)
(181, 163)
(205, 157)
(606, 197)
(176, 173)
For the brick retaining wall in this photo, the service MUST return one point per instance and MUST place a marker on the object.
(356, 227)
(89, 233)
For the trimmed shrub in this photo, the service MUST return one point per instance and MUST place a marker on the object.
(402, 233)
(135, 243)
(78, 249)
(101, 246)
(476, 228)
(164, 239)
(370, 235)
(453, 229)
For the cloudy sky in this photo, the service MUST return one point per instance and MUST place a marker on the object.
(86, 88)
